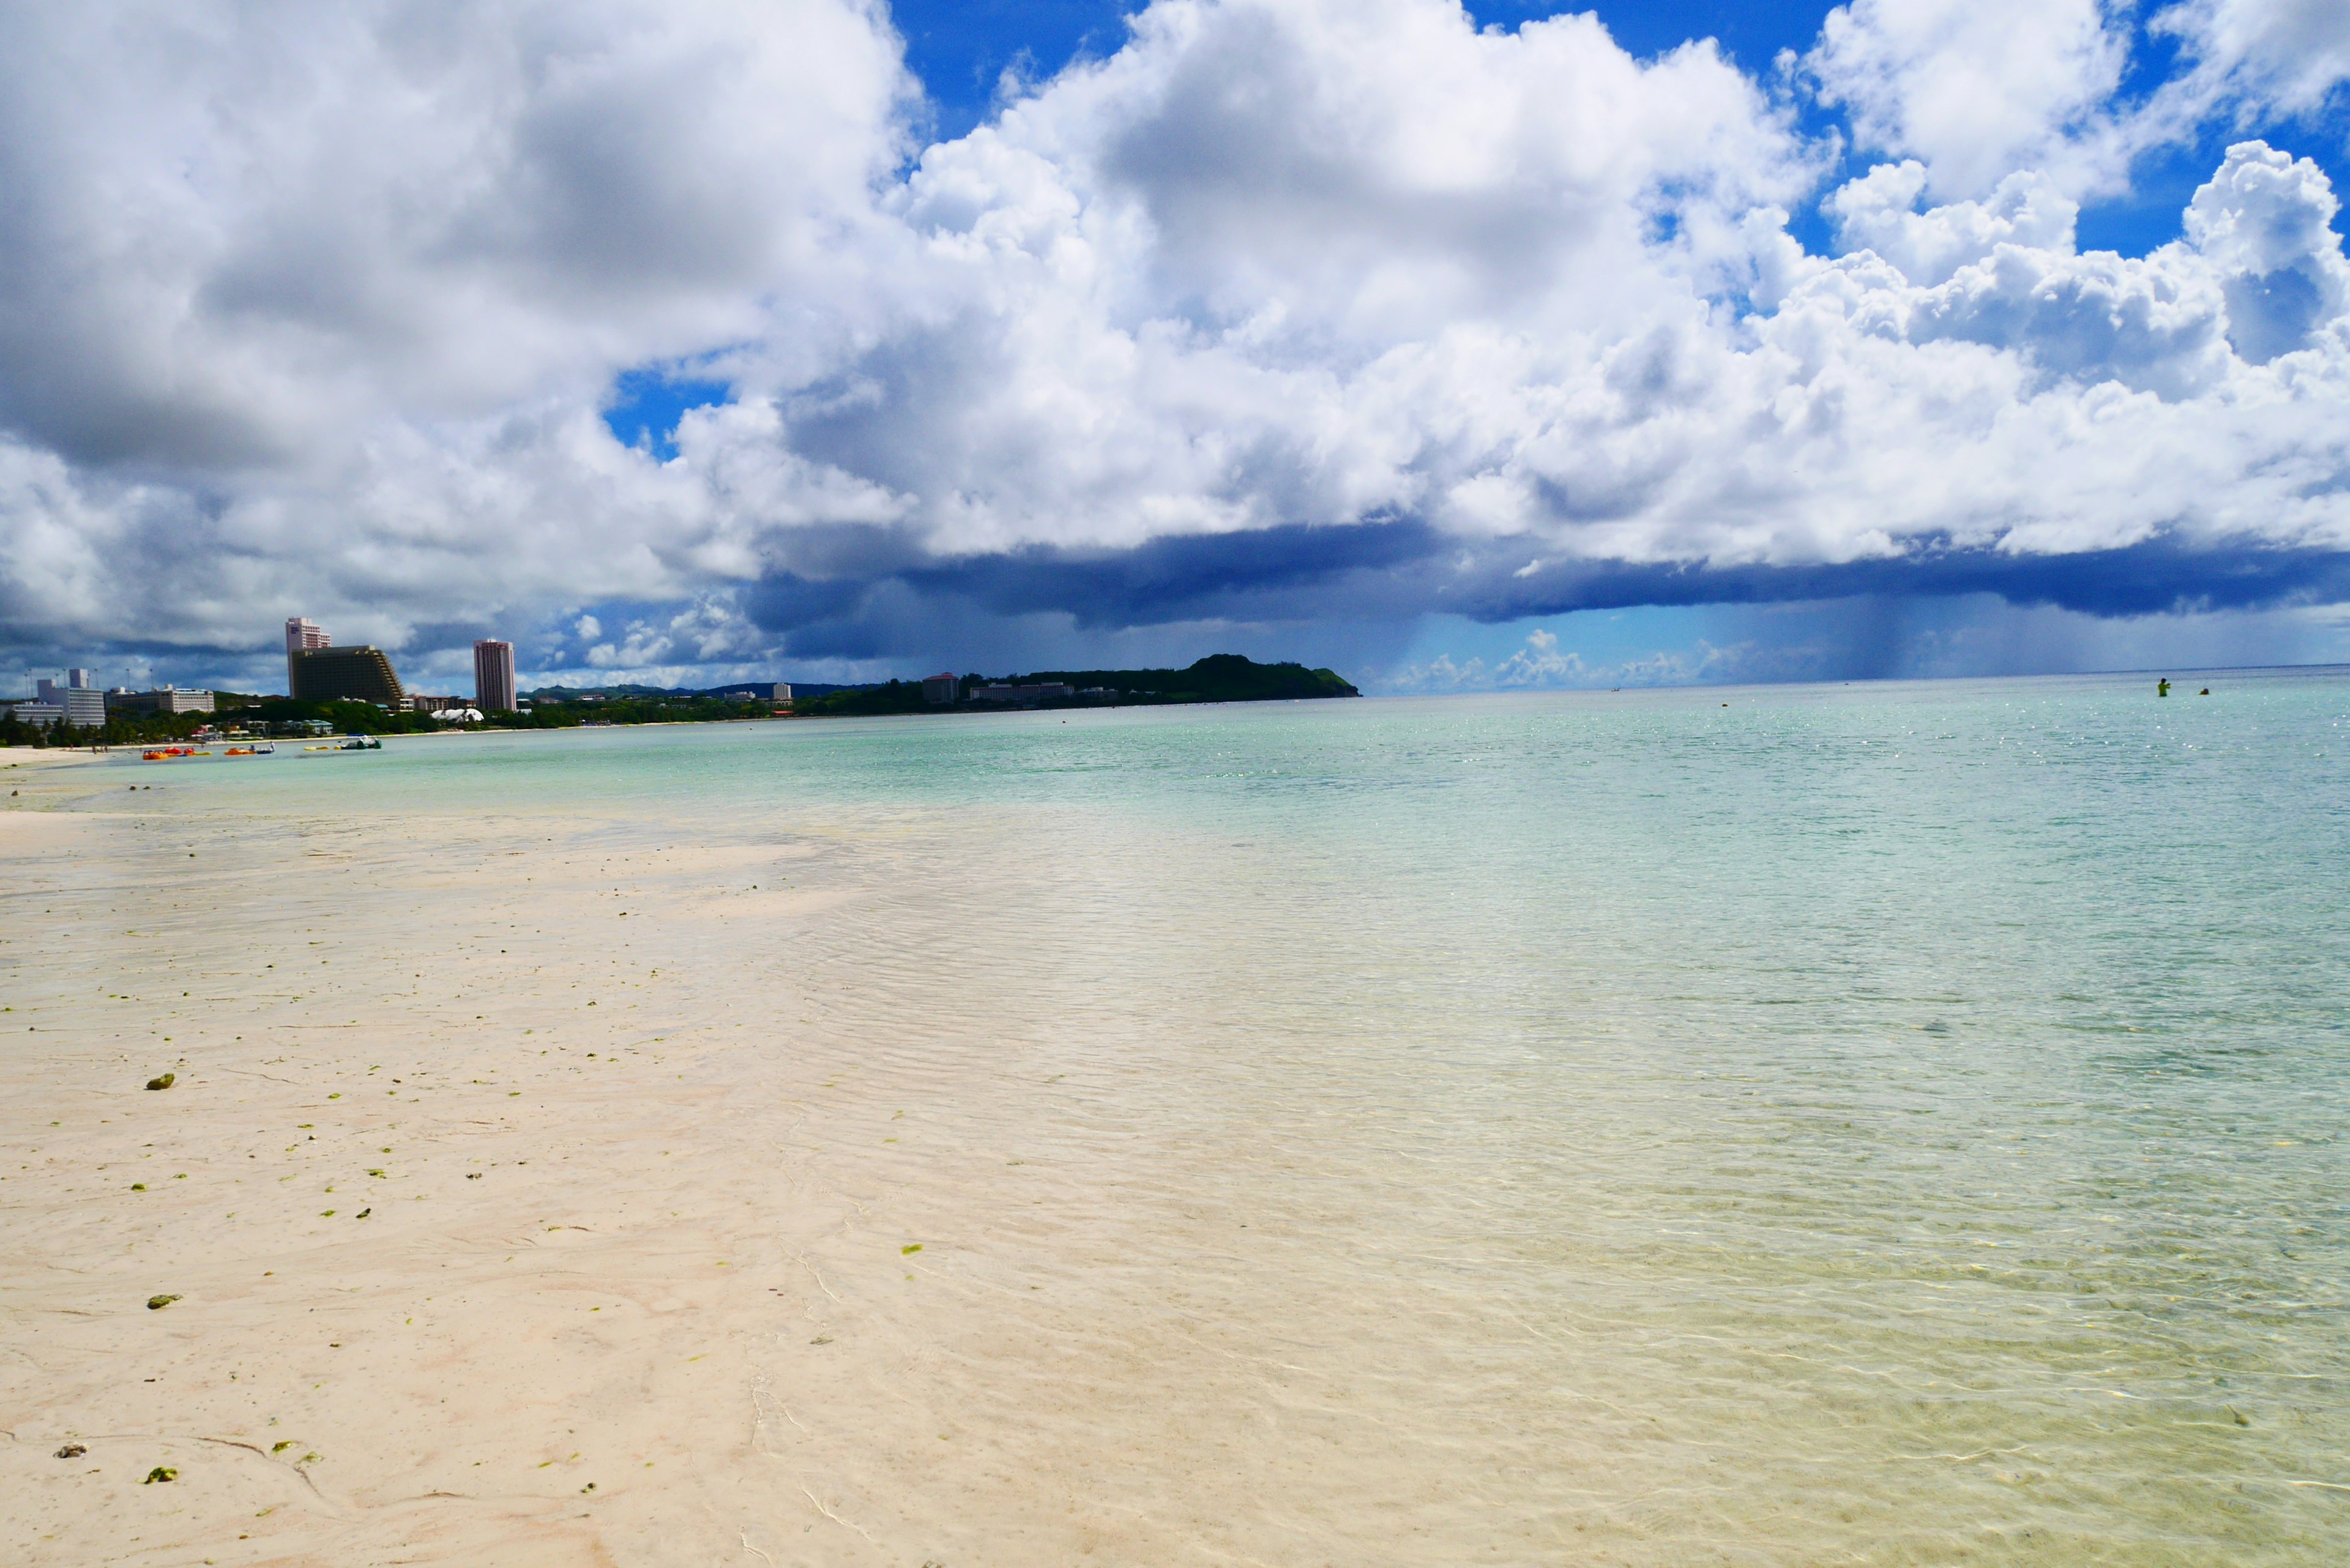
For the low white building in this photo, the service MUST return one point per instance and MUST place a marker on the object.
(161, 700)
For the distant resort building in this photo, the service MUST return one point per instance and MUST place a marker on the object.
(344, 676)
(493, 676)
(73, 702)
(162, 699)
(939, 688)
(1020, 696)
(360, 674)
(302, 634)
(319, 671)
(78, 702)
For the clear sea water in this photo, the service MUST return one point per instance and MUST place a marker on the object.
(1889, 1123)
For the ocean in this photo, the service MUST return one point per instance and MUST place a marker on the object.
(1886, 1123)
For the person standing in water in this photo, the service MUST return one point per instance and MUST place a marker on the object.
(2162, 686)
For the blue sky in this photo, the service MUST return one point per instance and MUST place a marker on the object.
(1454, 351)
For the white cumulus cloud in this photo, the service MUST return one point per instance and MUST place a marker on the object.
(1976, 89)
(316, 308)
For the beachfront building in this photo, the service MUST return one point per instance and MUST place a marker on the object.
(938, 689)
(493, 676)
(82, 704)
(782, 692)
(37, 713)
(302, 634)
(360, 674)
(420, 703)
(162, 699)
(1025, 696)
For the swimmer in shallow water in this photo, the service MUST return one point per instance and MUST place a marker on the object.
(2162, 687)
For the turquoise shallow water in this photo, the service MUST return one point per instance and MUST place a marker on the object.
(1886, 1123)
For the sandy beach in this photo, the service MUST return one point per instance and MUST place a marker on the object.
(488, 1181)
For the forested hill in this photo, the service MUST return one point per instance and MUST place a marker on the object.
(1218, 677)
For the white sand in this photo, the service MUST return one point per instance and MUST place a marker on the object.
(472, 1224)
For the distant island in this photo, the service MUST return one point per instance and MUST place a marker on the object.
(1218, 677)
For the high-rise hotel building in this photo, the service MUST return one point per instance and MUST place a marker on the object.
(493, 676)
(301, 633)
(317, 671)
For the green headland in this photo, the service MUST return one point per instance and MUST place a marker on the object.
(1218, 677)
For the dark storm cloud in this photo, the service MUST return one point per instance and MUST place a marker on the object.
(1268, 573)
(1400, 568)
(2156, 576)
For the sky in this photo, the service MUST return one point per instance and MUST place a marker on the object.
(684, 341)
